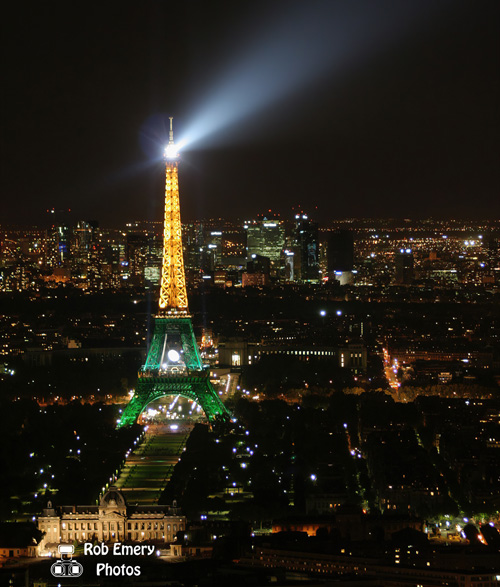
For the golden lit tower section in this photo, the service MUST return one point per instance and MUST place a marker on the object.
(173, 297)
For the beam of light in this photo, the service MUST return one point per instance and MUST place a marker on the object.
(303, 44)
(126, 173)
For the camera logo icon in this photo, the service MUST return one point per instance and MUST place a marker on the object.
(66, 567)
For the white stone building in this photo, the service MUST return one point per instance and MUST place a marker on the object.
(111, 521)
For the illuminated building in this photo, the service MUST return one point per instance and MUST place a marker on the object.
(59, 238)
(220, 278)
(18, 540)
(84, 235)
(110, 521)
(404, 266)
(214, 245)
(266, 237)
(257, 279)
(152, 266)
(173, 363)
(137, 250)
(143, 259)
(86, 253)
(257, 273)
(395, 575)
(152, 275)
(63, 246)
(353, 356)
(203, 247)
(289, 265)
(192, 239)
(307, 247)
(236, 352)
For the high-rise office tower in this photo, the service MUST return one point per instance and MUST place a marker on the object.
(266, 237)
(84, 236)
(214, 243)
(404, 263)
(307, 248)
(58, 239)
(289, 265)
(193, 244)
(85, 250)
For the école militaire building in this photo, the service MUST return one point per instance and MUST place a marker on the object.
(110, 521)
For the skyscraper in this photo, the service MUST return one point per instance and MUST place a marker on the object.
(211, 251)
(404, 266)
(307, 248)
(59, 238)
(266, 237)
(193, 244)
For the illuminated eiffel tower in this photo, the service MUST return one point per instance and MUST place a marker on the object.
(173, 364)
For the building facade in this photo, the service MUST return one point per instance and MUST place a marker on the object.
(266, 238)
(110, 521)
(404, 263)
(306, 243)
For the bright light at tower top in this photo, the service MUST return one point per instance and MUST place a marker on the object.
(171, 149)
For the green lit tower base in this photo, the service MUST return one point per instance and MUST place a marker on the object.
(186, 377)
(173, 365)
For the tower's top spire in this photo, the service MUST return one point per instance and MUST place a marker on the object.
(171, 149)
(171, 133)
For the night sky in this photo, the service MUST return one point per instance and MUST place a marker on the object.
(370, 109)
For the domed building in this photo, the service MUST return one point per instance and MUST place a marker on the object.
(110, 521)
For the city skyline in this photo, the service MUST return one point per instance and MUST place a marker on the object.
(275, 357)
(405, 126)
(71, 218)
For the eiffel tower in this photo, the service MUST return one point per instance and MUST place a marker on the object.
(173, 364)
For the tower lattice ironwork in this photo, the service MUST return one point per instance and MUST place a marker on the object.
(173, 365)
(173, 296)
